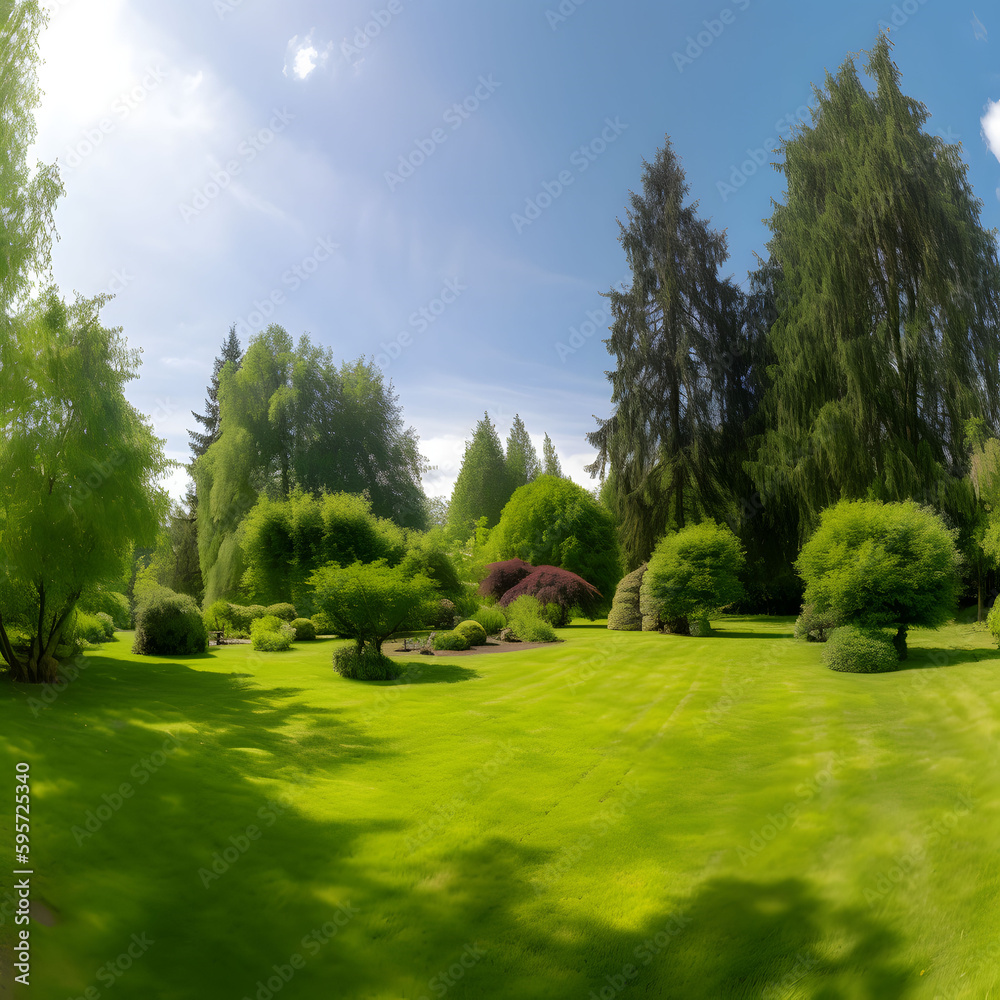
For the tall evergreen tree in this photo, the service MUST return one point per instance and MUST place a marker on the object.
(886, 290)
(209, 420)
(522, 459)
(677, 338)
(550, 460)
(483, 487)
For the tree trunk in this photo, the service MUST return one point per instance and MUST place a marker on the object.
(899, 641)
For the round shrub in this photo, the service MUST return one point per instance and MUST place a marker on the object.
(442, 614)
(322, 623)
(240, 617)
(286, 612)
(90, 628)
(110, 603)
(304, 629)
(108, 622)
(168, 624)
(473, 632)
(491, 618)
(450, 640)
(524, 615)
(693, 573)
(625, 615)
(270, 634)
(216, 616)
(367, 664)
(856, 650)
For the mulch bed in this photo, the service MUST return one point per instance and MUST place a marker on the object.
(492, 646)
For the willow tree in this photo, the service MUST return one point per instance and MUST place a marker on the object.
(677, 338)
(886, 290)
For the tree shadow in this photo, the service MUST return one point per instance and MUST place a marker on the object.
(431, 670)
(926, 658)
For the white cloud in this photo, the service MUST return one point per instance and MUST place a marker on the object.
(302, 56)
(991, 127)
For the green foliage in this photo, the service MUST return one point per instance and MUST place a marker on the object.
(473, 631)
(427, 555)
(884, 341)
(550, 460)
(216, 616)
(555, 614)
(812, 626)
(441, 614)
(524, 616)
(491, 618)
(286, 612)
(649, 608)
(452, 639)
(90, 628)
(860, 650)
(367, 664)
(241, 617)
(482, 487)
(79, 475)
(694, 573)
(555, 522)
(305, 630)
(625, 615)
(521, 459)
(881, 565)
(284, 541)
(168, 624)
(993, 621)
(680, 386)
(108, 602)
(289, 417)
(108, 622)
(322, 623)
(368, 602)
(271, 634)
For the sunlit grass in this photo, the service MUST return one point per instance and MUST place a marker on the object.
(641, 814)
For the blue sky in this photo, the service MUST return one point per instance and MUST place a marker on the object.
(437, 185)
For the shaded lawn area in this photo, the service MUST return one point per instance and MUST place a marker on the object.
(626, 814)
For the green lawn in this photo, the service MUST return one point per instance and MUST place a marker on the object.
(620, 814)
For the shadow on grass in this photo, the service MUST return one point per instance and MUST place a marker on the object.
(431, 670)
(924, 658)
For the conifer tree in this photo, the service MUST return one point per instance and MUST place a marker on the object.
(550, 460)
(483, 487)
(522, 459)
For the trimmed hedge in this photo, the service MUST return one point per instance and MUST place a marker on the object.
(366, 665)
(625, 615)
(322, 623)
(857, 650)
(450, 640)
(305, 630)
(473, 632)
(271, 635)
(286, 612)
(168, 624)
(649, 609)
